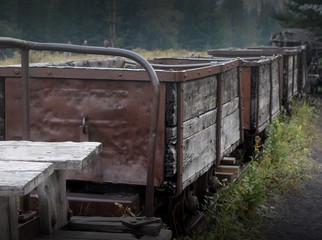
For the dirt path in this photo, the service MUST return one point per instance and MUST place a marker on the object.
(299, 217)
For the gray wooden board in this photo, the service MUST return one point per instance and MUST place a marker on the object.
(230, 85)
(296, 72)
(290, 76)
(199, 123)
(199, 153)
(200, 96)
(275, 87)
(199, 144)
(19, 178)
(230, 133)
(230, 107)
(264, 94)
(65, 155)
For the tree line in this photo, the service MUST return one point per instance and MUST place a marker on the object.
(160, 24)
(305, 14)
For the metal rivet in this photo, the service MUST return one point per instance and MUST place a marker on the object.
(17, 71)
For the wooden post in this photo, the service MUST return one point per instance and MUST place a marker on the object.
(8, 218)
(53, 202)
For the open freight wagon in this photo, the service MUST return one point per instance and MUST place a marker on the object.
(199, 122)
(206, 105)
(293, 68)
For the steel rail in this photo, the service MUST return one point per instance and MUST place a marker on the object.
(26, 46)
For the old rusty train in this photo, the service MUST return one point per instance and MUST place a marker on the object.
(205, 108)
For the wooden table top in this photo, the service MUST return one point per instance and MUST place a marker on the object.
(18, 179)
(25, 164)
(64, 155)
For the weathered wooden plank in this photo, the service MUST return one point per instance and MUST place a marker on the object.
(230, 107)
(290, 76)
(227, 169)
(230, 133)
(275, 87)
(199, 153)
(228, 161)
(18, 179)
(264, 95)
(296, 72)
(199, 123)
(200, 96)
(200, 139)
(67, 155)
(230, 85)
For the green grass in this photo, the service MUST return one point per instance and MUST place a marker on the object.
(235, 212)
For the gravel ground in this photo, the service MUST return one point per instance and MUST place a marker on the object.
(299, 215)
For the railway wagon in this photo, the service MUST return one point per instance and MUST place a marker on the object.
(199, 123)
(206, 104)
(293, 67)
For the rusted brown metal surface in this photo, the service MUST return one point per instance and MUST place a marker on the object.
(245, 78)
(116, 113)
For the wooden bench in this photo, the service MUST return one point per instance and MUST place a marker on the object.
(25, 165)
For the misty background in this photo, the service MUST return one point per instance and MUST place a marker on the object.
(146, 24)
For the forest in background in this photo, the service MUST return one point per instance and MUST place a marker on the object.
(146, 24)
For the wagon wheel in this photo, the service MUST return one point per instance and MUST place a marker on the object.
(184, 210)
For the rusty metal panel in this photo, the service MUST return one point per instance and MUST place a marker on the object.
(245, 75)
(116, 113)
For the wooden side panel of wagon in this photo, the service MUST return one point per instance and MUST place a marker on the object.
(207, 110)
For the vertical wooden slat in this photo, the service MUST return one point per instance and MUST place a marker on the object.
(220, 94)
(180, 111)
